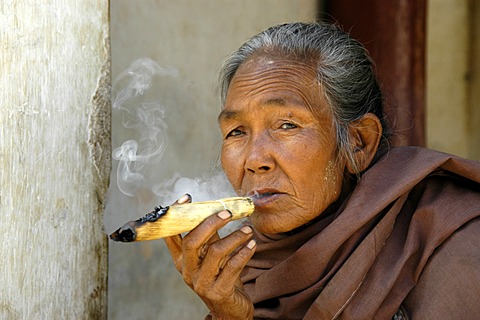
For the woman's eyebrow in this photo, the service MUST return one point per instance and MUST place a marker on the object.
(227, 114)
(274, 101)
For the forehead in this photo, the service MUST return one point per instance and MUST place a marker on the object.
(274, 69)
(279, 79)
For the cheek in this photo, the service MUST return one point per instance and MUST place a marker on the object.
(332, 182)
(231, 163)
(321, 182)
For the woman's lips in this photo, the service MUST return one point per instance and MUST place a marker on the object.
(262, 198)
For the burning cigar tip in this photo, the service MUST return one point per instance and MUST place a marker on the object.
(123, 235)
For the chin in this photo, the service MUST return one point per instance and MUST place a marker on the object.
(268, 225)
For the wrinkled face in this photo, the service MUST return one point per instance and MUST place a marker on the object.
(274, 148)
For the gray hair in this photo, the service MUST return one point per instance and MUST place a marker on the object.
(344, 70)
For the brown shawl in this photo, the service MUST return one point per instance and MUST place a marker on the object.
(362, 262)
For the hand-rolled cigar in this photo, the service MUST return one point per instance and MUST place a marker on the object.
(168, 221)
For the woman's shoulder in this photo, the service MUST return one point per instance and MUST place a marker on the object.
(449, 286)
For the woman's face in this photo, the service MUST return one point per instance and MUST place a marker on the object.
(274, 148)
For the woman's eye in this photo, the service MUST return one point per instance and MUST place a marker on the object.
(234, 133)
(287, 126)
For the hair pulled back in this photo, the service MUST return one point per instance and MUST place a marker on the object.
(344, 70)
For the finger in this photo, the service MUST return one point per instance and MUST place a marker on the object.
(205, 232)
(186, 198)
(219, 251)
(202, 235)
(226, 280)
(205, 247)
(174, 243)
(213, 238)
(235, 265)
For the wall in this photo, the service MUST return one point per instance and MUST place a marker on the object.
(473, 108)
(54, 158)
(194, 37)
(453, 71)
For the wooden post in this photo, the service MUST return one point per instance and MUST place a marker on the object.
(54, 158)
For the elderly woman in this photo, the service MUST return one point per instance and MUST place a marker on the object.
(343, 227)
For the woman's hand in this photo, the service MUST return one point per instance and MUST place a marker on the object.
(211, 266)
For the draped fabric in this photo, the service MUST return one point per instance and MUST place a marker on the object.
(363, 261)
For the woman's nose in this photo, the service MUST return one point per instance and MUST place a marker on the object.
(259, 155)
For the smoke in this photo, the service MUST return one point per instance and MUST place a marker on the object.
(146, 96)
(145, 118)
(205, 187)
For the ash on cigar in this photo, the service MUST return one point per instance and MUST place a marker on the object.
(123, 235)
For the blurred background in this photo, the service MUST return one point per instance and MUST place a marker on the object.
(425, 52)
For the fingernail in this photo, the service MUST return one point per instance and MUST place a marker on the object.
(246, 230)
(224, 214)
(184, 198)
(251, 244)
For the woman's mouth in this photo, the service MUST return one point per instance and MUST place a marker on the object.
(263, 197)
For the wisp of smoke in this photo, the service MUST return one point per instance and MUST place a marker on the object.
(146, 118)
(201, 188)
(144, 131)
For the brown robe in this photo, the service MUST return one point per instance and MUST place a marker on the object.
(407, 237)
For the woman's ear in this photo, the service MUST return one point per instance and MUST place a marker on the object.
(365, 135)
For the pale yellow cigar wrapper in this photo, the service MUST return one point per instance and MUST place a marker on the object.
(185, 217)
